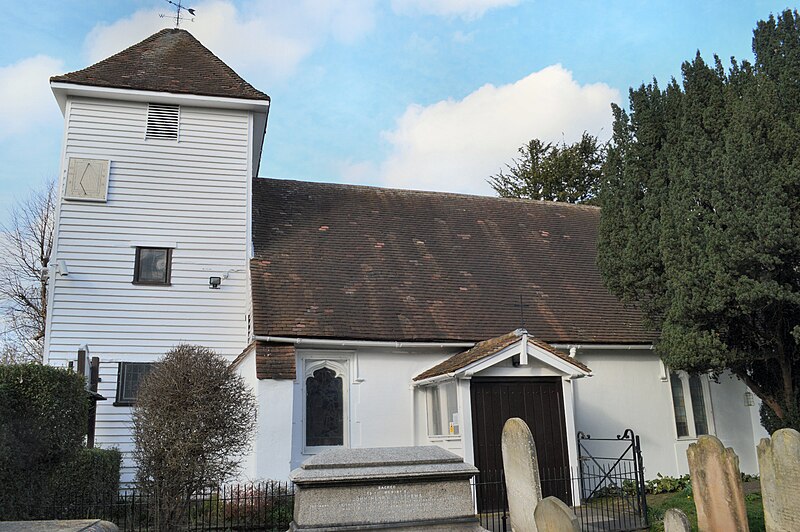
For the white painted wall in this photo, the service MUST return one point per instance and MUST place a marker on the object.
(386, 410)
(246, 368)
(627, 391)
(733, 420)
(381, 396)
(270, 455)
(192, 194)
(274, 440)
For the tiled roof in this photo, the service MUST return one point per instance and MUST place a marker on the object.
(341, 261)
(488, 348)
(275, 361)
(465, 358)
(563, 356)
(171, 60)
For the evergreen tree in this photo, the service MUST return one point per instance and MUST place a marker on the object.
(701, 217)
(562, 172)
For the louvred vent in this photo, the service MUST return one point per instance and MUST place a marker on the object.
(162, 121)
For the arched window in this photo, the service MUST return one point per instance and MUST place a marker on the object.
(324, 408)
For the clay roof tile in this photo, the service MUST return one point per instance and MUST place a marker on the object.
(171, 60)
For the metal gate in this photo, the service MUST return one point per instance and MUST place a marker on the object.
(612, 488)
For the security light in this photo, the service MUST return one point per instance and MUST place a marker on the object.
(214, 282)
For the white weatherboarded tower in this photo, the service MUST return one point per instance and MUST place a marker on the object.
(161, 142)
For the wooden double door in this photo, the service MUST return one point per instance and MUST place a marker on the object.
(539, 401)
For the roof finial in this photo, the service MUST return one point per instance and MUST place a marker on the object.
(178, 15)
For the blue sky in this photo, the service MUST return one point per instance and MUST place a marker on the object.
(426, 94)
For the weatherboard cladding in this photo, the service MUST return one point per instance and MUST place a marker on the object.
(341, 261)
(171, 60)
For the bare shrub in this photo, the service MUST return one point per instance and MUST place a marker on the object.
(193, 421)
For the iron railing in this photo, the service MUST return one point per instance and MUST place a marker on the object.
(267, 506)
(604, 500)
(607, 492)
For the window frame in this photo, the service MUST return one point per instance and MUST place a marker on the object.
(444, 406)
(689, 404)
(121, 374)
(137, 267)
(341, 369)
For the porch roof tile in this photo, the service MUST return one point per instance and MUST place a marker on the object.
(491, 347)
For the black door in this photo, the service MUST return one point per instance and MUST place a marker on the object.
(540, 403)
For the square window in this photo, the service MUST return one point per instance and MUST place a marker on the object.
(442, 403)
(152, 266)
(130, 376)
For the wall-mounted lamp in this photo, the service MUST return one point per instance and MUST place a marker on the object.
(214, 282)
(61, 267)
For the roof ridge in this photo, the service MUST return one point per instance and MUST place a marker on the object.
(437, 193)
(114, 56)
(171, 60)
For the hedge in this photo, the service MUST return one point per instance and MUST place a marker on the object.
(43, 420)
(92, 475)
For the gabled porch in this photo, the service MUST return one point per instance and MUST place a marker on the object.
(468, 397)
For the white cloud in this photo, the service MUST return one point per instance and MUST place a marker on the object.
(456, 145)
(25, 97)
(271, 36)
(467, 9)
(461, 37)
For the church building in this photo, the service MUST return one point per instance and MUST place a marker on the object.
(360, 316)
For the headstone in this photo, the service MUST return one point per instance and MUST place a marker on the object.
(391, 488)
(779, 467)
(676, 521)
(552, 515)
(717, 486)
(521, 467)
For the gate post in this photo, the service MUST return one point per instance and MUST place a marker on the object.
(637, 451)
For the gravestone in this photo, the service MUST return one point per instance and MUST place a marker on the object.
(552, 515)
(779, 467)
(521, 467)
(391, 488)
(717, 486)
(676, 521)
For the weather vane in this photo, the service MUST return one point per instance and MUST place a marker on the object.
(178, 12)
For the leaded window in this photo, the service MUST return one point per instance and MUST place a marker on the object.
(679, 404)
(131, 375)
(324, 408)
(690, 404)
(698, 405)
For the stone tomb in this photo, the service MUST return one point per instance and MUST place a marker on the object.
(391, 488)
